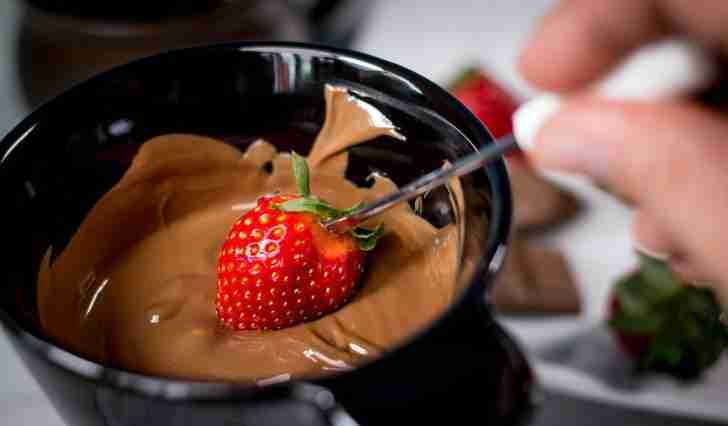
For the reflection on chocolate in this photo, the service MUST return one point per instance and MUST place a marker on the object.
(135, 287)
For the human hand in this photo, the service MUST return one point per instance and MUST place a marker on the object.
(667, 158)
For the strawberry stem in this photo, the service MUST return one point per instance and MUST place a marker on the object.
(366, 238)
(300, 172)
(470, 73)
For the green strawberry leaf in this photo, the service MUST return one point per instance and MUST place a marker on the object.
(633, 295)
(692, 337)
(465, 76)
(660, 280)
(353, 208)
(301, 174)
(636, 324)
(367, 238)
(311, 205)
(360, 232)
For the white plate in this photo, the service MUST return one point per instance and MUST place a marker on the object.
(589, 366)
(582, 361)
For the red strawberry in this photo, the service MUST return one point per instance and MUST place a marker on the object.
(491, 103)
(279, 267)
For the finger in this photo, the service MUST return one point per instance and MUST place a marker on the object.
(581, 40)
(668, 159)
(640, 149)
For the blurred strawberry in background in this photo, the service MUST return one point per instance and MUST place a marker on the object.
(487, 99)
(61, 42)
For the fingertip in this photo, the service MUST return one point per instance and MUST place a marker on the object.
(528, 65)
(553, 58)
(549, 69)
(574, 46)
(542, 67)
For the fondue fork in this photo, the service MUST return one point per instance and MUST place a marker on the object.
(664, 70)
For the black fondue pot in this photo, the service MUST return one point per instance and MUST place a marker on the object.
(461, 369)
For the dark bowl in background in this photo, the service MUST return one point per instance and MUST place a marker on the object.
(61, 43)
(57, 163)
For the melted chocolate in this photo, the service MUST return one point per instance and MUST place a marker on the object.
(135, 287)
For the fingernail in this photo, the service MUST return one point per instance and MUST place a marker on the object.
(663, 257)
(532, 116)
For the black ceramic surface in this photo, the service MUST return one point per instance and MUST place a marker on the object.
(63, 157)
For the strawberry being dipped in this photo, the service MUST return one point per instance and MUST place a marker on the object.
(664, 324)
(279, 267)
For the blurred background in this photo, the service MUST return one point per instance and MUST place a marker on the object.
(48, 45)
